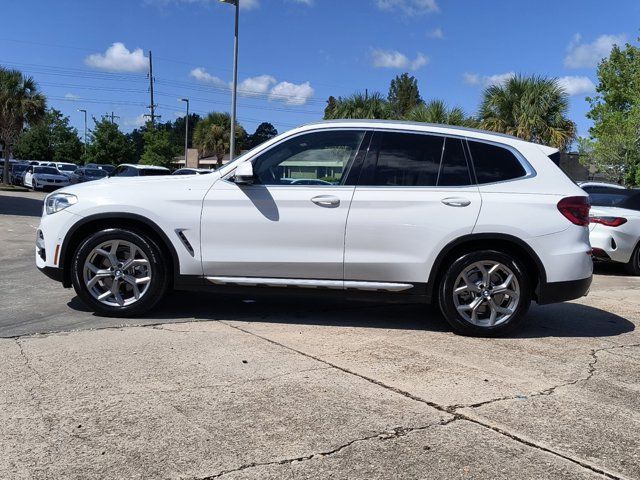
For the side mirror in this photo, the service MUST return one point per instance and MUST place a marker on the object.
(244, 174)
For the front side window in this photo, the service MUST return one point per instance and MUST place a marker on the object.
(317, 158)
(494, 164)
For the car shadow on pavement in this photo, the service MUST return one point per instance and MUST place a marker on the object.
(20, 206)
(560, 320)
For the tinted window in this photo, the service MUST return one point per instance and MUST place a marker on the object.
(408, 160)
(616, 198)
(149, 172)
(454, 170)
(126, 172)
(493, 163)
(315, 156)
(67, 168)
(94, 172)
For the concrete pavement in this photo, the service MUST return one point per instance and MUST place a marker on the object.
(226, 387)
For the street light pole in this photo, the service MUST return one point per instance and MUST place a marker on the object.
(234, 90)
(85, 129)
(186, 131)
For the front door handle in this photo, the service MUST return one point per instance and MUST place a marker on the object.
(328, 201)
(456, 201)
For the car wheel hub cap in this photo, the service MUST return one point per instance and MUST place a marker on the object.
(117, 273)
(486, 293)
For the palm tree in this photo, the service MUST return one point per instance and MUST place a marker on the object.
(20, 104)
(359, 105)
(212, 135)
(532, 108)
(437, 111)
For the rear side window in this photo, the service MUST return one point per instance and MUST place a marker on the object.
(494, 164)
(408, 160)
(454, 170)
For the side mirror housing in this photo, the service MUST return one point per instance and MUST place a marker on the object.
(244, 174)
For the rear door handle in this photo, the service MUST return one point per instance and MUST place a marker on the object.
(328, 201)
(456, 201)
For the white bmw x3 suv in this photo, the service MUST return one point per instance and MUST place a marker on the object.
(479, 223)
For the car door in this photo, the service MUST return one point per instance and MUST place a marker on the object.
(275, 229)
(415, 195)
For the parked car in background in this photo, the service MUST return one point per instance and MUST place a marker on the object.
(135, 170)
(41, 178)
(588, 186)
(192, 171)
(478, 223)
(615, 226)
(16, 174)
(66, 168)
(85, 174)
(102, 166)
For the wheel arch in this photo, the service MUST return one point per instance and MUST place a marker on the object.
(94, 223)
(491, 241)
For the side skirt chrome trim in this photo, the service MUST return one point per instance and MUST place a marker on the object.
(310, 283)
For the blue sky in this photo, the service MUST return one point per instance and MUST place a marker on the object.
(295, 53)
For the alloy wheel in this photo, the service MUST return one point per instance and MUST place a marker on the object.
(486, 293)
(117, 273)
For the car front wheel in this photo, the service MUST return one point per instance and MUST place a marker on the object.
(484, 293)
(633, 267)
(119, 272)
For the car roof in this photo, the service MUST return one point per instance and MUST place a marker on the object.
(429, 127)
(143, 167)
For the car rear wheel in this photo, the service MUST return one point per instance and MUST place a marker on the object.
(633, 267)
(484, 293)
(119, 273)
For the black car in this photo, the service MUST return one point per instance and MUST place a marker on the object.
(85, 174)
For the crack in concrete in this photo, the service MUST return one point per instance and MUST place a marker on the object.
(393, 434)
(550, 390)
(445, 409)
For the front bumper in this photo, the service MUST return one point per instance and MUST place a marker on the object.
(52, 272)
(556, 292)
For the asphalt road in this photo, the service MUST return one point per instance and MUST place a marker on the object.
(210, 387)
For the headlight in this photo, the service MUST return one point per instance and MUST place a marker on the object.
(59, 201)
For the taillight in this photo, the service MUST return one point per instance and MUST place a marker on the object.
(575, 209)
(609, 221)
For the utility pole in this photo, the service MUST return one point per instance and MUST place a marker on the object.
(113, 117)
(186, 131)
(152, 106)
(85, 129)
(232, 143)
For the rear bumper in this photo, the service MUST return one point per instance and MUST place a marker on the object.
(556, 292)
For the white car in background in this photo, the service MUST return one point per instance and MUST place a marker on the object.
(40, 178)
(615, 226)
(66, 168)
(478, 223)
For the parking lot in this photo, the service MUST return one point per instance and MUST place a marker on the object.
(231, 387)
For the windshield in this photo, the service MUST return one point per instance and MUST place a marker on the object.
(46, 170)
(152, 171)
(67, 168)
(107, 168)
(94, 172)
(20, 168)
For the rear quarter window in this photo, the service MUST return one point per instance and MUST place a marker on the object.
(493, 163)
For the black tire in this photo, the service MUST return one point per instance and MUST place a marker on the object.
(448, 284)
(633, 267)
(157, 264)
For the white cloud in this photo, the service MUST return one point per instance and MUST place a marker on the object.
(72, 97)
(577, 85)
(249, 4)
(137, 122)
(244, 4)
(471, 78)
(304, 2)
(203, 76)
(436, 33)
(255, 86)
(292, 94)
(487, 80)
(409, 7)
(118, 58)
(395, 59)
(587, 55)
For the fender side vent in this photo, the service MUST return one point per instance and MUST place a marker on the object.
(185, 242)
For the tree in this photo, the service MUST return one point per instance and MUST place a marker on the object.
(20, 104)
(331, 105)
(158, 148)
(108, 144)
(52, 139)
(264, 132)
(360, 105)
(437, 111)
(212, 136)
(532, 108)
(404, 94)
(615, 112)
